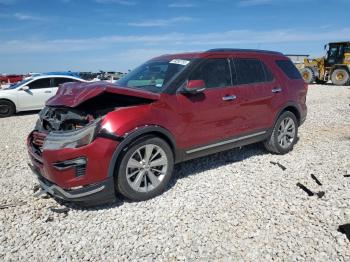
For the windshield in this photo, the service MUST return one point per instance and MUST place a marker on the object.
(153, 75)
(13, 86)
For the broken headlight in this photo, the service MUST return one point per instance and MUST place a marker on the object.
(72, 139)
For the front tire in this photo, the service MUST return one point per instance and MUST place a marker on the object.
(145, 169)
(340, 77)
(284, 134)
(7, 108)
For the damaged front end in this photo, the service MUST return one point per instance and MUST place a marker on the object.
(72, 125)
(69, 149)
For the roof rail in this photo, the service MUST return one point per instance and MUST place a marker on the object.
(242, 50)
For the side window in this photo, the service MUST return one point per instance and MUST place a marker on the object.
(268, 74)
(61, 80)
(249, 71)
(289, 69)
(214, 72)
(40, 83)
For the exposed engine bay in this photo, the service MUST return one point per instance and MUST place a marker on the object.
(61, 118)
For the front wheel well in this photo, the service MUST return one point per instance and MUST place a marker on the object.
(151, 133)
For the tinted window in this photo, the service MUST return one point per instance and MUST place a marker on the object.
(289, 69)
(61, 80)
(214, 72)
(248, 71)
(40, 83)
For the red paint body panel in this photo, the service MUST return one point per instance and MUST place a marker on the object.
(74, 94)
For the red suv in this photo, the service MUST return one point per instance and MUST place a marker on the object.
(95, 139)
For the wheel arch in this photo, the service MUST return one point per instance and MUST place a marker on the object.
(137, 133)
(291, 107)
(9, 100)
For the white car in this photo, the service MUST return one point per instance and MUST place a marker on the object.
(31, 93)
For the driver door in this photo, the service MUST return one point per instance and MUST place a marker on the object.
(37, 94)
(205, 115)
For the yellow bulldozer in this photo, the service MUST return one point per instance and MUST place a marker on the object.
(334, 66)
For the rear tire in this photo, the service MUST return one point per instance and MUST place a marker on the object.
(340, 77)
(145, 169)
(308, 75)
(7, 108)
(284, 134)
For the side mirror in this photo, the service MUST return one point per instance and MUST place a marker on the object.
(194, 86)
(24, 88)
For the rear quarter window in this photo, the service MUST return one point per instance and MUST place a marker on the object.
(289, 69)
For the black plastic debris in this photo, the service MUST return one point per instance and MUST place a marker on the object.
(63, 210)
(36, 188)
(346, 175)
(49, 219)
(316, 180)
(279, 165)
(319, 194)
(345, 229)
(308, 191)
(11, 205)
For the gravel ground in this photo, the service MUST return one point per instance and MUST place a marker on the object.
(234, 205)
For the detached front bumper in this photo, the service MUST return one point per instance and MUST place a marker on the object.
(91, 195)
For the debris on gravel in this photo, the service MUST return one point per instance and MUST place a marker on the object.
(231, 206)
(316, 180)
(279, 165)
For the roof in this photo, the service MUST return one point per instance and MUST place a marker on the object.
(216, 50)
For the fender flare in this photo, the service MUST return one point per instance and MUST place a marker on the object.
(295, 107)
(130, 137)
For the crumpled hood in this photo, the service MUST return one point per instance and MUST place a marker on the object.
(74, 94)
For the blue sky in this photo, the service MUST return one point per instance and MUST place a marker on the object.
(118, 35)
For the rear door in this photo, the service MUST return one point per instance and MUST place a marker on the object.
(36, 96)
(256, 90)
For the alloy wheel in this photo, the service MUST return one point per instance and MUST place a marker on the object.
(286, 132)
(146, 168)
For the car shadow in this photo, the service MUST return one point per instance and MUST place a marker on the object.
(26, 113)
(186, 169)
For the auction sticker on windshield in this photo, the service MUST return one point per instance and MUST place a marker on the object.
(179, 62)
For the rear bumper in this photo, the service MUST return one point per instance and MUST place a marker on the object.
(90, 195)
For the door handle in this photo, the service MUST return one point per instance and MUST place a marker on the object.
(276, 90)
(48, 92)
(229, 97)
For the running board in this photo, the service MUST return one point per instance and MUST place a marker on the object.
(225, 142)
